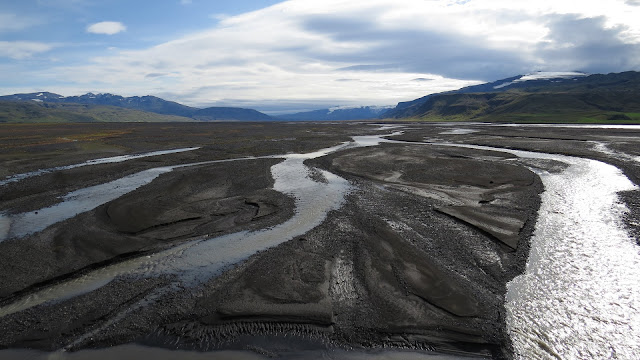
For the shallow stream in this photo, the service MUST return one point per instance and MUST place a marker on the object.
(107, 160)
(196, 261)
(579, 297)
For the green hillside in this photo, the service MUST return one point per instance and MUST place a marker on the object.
(610, 98)
(33, 112)
(532, 107)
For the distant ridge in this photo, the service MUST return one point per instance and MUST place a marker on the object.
(44, 112)
(538, 97)
(143, 103)
(148, 104)
(230, 114)
(339, 113)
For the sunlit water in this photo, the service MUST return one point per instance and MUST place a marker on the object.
(458, 131)
(579, 297)
(605, 149)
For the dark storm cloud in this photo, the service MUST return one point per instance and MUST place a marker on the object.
(586, 45)
(449, 55)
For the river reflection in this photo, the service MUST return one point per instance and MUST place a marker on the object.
(579, 297)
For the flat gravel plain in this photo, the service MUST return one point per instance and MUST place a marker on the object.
(417, 256)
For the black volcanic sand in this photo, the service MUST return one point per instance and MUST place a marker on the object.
(624, 145)
(29, 147)
(181, 205)
(417, 257)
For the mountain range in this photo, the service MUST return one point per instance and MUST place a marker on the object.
(143, 103)
(339, 113)
(537, 97)
(50, 107)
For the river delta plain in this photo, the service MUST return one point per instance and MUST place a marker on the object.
(319, 240)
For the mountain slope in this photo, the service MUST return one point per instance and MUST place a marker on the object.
(34, 112)
(593, 98)
(143, 103)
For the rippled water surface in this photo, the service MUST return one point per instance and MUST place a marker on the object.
(579, 297)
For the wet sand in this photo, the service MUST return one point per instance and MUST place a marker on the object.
(417, 257)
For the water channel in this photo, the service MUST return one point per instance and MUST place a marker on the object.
(578, 298)
(200, 259)
(107, 160)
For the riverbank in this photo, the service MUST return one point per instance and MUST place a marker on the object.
(417, 257)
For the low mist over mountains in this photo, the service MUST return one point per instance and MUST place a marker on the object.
(230, 113)
(340, 113)
(538, 97)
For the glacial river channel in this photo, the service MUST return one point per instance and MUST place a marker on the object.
(579, 297)
(198, 260)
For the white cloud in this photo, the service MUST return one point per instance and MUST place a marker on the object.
(302, 50)
(106, 27)
(19, 50)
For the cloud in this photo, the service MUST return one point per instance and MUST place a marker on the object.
(301, 51)
(418, 50)
(186, 2)
(422, 79)
(585, 44)
(20, 50)
(382, 67)
(155, 75)
(106, 27)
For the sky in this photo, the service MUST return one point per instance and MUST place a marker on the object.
(297, 55)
